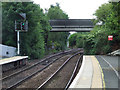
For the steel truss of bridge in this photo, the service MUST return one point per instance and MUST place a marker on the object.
(65, 25)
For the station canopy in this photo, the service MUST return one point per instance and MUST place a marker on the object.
(78, 25)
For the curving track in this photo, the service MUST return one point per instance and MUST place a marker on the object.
(64, 75)
(17, 78)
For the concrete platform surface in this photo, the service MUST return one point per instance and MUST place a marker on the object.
(12, 59)
(90, 74)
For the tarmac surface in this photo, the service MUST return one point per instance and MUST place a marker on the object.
(110, 66)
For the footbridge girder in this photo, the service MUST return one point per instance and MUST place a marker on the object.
(78, 25)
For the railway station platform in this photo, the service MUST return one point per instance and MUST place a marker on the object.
(13, 62)
(90, 74)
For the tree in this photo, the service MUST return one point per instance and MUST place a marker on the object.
(102, 13)
(72, 40)
(59, 39)
(31, 42)
(55, 12)
(96, 42)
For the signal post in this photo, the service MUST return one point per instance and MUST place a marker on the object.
(20, 26)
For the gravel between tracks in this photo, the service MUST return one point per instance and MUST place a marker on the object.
(29, 63)
(10, 81)
(38, 79)
(62, 77)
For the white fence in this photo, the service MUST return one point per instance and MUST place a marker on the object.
(7, 51)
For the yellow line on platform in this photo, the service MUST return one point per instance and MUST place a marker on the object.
(103, 81)
(96, 79)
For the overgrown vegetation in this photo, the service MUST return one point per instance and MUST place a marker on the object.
(106, 23)
(38, 40)
(58, 39)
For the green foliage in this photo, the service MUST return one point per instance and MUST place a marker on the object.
(103, 12)
(96, 42)
(57, 39)
(72, 40)
(38, 39)
(31, 42)
(55, 12)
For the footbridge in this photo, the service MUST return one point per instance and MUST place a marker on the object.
(78, 25)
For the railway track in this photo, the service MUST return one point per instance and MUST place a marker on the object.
(10, 72)
(75, 71)
(58, 80)
(15, 79)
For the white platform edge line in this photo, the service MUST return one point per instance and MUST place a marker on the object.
(78, 75)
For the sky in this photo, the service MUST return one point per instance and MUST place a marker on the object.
(76, 9)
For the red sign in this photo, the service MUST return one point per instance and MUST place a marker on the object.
(110, 37)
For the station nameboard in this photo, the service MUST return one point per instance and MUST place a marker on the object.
(110, 38)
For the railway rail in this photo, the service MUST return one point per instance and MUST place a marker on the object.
(9, 82)
(75, 71)
(49, 82)
(30, 64)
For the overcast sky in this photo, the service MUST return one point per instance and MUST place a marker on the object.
(76, 9)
